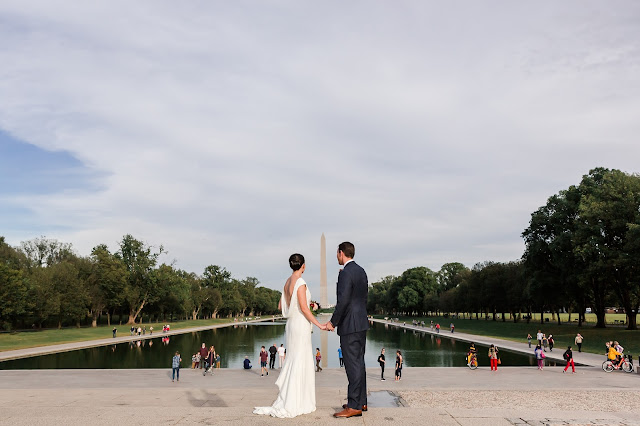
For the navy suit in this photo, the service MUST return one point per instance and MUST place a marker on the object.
(350, 318)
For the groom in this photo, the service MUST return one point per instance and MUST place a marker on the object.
(350, 317)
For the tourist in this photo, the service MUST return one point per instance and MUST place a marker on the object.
(318, 359)
(198, 359)
(452, 327)
(132, 330)
(382, 362)
(175, 364)
(114, 331)
(281, 355)
(193, 361)
(263, 361)
(217, 360)
(551, 342)
(545, 342)
(472, 352)
(432, 325)
(398, 366)
(151, 330)
(438, 328)
(340, 356)
(578, 341)
(493, 357)
(614, 355)
(211, 357)
(568, 356)
(139, 331)
(203, 354)
(247, 364)
(529, 339)
(144, 330)
(539, 338)
(273, 350)
(539, 356)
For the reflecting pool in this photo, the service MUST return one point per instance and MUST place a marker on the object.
(235, 342)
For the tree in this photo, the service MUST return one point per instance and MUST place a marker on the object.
(106, 282)
(609, 211)
(42, 252)
(14, 294)
(141, 287)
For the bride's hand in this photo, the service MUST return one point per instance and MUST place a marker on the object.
(322, 327)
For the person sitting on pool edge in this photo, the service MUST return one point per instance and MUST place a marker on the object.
(247, 363)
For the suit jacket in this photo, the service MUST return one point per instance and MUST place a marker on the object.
(350, 315)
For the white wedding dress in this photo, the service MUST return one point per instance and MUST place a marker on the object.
(297, 380)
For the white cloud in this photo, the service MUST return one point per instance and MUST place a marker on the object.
(236, 133)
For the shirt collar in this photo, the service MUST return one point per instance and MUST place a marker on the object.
(346, 263)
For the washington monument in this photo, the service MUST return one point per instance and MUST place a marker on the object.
(323, 272)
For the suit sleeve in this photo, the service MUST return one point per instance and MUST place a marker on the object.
(344, 288)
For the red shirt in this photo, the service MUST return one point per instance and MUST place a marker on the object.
(263, 356)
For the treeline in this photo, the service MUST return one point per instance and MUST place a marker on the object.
(44, 283)
(582, 249)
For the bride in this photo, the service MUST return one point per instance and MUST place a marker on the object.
(297, 380)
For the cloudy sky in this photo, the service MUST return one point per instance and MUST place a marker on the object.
(236, 133)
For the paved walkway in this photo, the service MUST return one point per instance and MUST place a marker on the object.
(426, 396)
(583, 358)
(66, 347)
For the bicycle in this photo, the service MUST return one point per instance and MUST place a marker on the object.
(473, 362)
(625, 364)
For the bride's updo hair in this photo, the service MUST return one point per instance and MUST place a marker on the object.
(296, 261)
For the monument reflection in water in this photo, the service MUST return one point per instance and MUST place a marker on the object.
(234, 343)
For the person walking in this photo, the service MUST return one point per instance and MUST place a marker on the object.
(382, 362)
(273, 350)
(539, 356)
(151, 330)
(545, 342)
(263, 361)
(114, 331)
(438, 328)
(281, 354)
(551, 342)
(175, 366)
(217, 360)
(398, 366)
(568, 356)
(453, 327)
(493, 357)
(529, 339)
(318, 359)
(578, 341)
(211, 358)
(340, 356)
(203, 354)
(539, 338)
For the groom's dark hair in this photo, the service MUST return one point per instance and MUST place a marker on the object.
(296, 261)
(348, 249)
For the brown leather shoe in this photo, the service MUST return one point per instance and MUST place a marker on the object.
(364, 407)
(348, 412)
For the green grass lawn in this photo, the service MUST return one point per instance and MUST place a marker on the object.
(30, 339)
(594, 338)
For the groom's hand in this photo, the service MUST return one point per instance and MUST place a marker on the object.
(329, 326)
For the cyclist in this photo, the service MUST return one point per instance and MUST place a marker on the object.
(614, 356)
(472, 353)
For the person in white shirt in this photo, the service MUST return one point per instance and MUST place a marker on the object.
(281, 354)
(539, 337)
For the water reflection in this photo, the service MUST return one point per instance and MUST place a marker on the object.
(234, 343)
